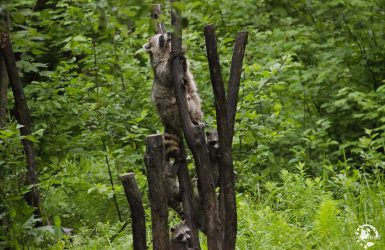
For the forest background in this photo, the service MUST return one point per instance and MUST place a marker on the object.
(309, 135)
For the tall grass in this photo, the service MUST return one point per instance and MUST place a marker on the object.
(311, 213)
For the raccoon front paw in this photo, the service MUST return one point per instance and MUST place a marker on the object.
(201, 125)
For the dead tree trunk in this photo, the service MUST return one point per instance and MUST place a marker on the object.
(155, 165)
(226, 168)
(137, 212)
(23, 118)
(4, 82)
(225, 113)
(195, 139)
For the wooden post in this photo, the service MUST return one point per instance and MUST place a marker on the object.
(155, 162)
(195, 139)
(137, 212)
(23, 118)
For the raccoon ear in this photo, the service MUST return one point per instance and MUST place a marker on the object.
(173, 229)
(147, 46)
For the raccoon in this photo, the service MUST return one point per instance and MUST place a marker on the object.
(197, 207)
(215, 154)
(180, 237)
(159, 48)
(174, 198)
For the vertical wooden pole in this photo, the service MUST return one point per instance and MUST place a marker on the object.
(155, 165)
(137, 212)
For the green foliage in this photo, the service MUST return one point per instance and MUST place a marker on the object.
(300, 213)
(309, 136)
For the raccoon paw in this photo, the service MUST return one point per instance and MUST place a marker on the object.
(201, 125)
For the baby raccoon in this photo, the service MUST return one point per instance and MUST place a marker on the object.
(174, 199)
(159, 48)
(180, 237)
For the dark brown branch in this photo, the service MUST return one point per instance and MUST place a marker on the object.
(235, 79)
(195, 139)
(226, 168)
(137, 212)
(155, 15)
(155, 162)
(186, 193)
(23, 118)
(111, 180)
(4, 82)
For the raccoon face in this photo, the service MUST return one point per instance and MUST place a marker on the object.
(181, 233)
(158, 44)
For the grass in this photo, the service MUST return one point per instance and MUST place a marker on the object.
(303, 213)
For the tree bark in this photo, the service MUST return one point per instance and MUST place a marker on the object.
(156, 12)
(195, 139)
(137, 212)
(4, 82)
(23, 118)
(186, 193)
(226, 169)
(234, 80)
(155, 162)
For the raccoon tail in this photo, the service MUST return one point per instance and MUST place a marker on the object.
(172, 145)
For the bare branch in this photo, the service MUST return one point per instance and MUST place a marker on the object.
(235, 79)
(226, 170)
(137, 212)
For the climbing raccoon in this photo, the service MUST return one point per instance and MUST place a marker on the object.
(159, 48)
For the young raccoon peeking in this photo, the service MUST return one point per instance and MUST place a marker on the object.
(180, 237)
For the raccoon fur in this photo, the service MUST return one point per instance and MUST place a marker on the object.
(159, 48)
(174, 199)
(180, 237)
